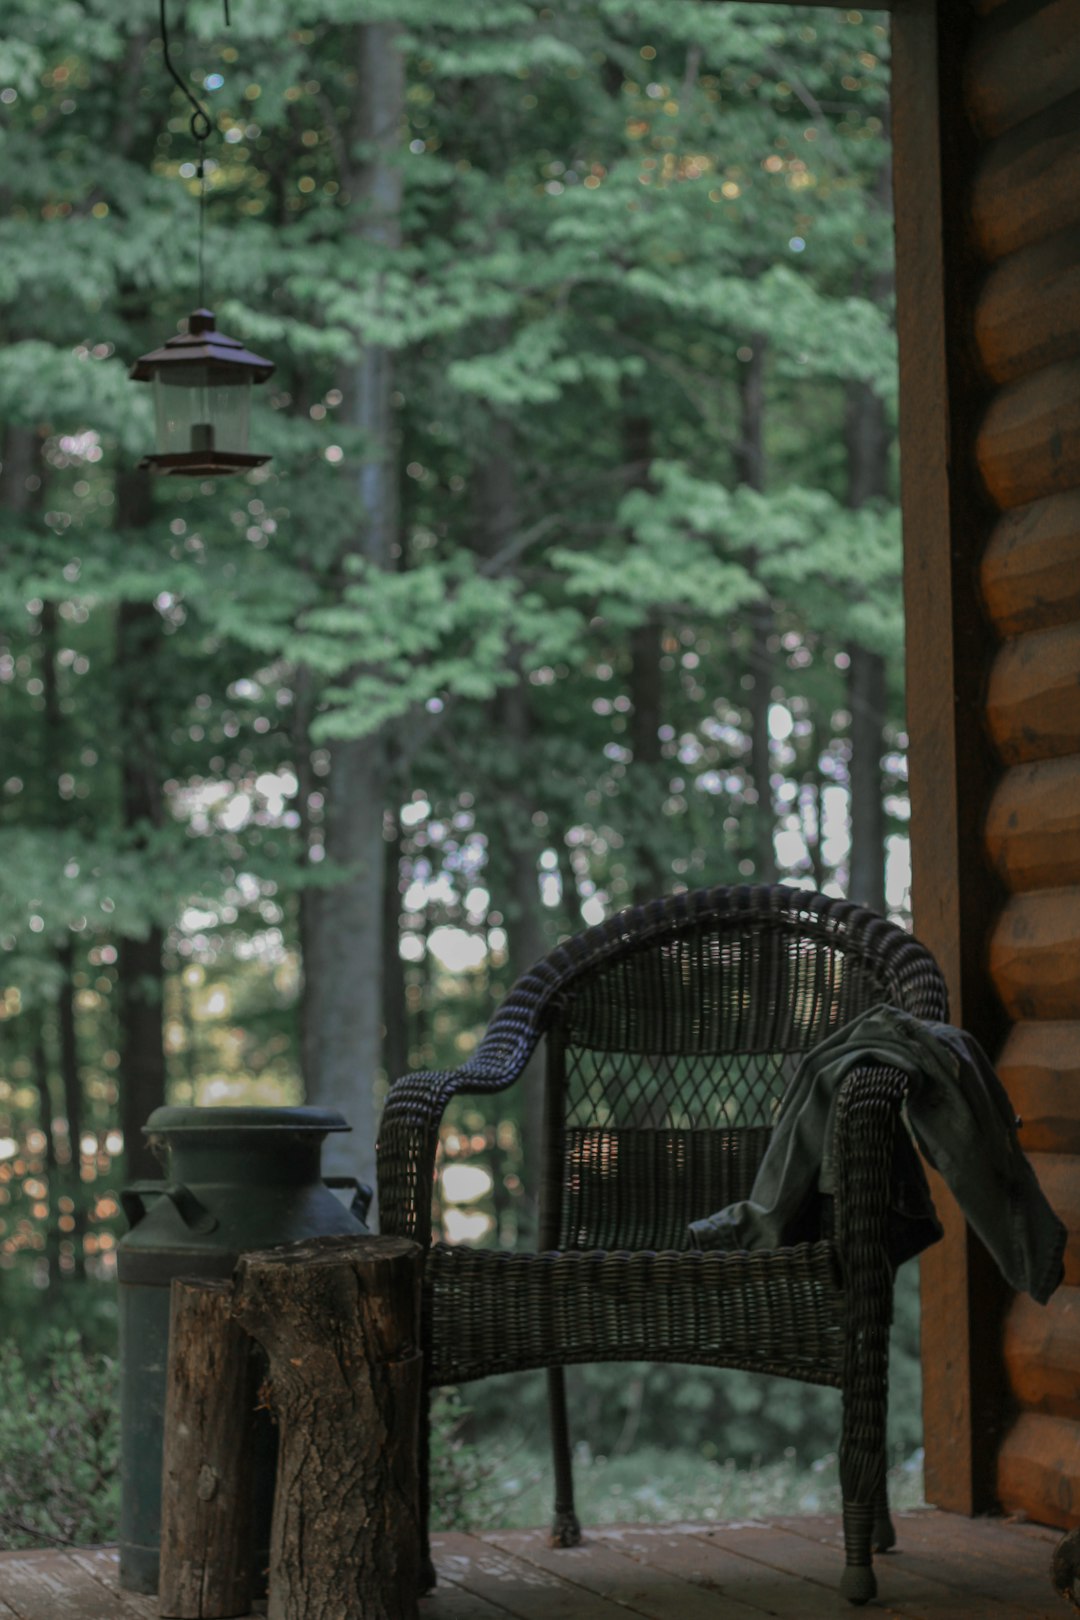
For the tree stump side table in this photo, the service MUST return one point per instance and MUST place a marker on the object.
(339, 1321)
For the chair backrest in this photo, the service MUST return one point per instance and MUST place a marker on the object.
(670, 1048)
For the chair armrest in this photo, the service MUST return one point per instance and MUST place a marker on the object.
(405, 1152)
(868, 1111)
(409, 1139)
(409, 1131)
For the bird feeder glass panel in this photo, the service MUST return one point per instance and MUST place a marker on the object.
(200, 408)
(202, 400)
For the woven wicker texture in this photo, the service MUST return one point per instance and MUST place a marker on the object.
(672, 1032)
(776, 1313)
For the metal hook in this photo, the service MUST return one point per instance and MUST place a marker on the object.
(201, 126)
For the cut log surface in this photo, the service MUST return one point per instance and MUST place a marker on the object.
(1028, 314)
(1027, 185)
(1039, 1469)
(1039, 1067)
(1035, 955)
(1042, 1354)
(1029, 443)
(339, 1321)
(1033, 696)
(1023, 61)
(1033, 825)
(1030, 571)
(207, 1492)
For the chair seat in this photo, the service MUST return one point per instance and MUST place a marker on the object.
(492, 1311)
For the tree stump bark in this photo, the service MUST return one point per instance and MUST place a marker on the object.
(339, 1319)
(207, 1495)
(1065, 1568)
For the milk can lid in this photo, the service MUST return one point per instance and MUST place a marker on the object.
(225, 1119)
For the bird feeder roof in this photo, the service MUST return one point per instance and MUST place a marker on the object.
(202, 344)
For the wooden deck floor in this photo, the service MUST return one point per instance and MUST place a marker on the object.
(955, 1569)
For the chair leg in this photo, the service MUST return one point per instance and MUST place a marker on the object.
(426, 1578)
(858, 1583)
(565, 1529)
(867, 1525)
(884, 1532)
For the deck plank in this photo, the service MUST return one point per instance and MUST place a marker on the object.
(520, 1588)
(979, 1558)
(1021, 1546)
(946, 1568)
(103, 1565)
(54, 1586)
(814, 1553)
(610, 1572)
(677, 1550)
(83, 1582)
(452, 1551)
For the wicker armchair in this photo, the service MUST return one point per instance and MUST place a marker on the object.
(672, 1031)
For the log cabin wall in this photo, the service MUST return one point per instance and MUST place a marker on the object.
(1023, 101)
(986, 104)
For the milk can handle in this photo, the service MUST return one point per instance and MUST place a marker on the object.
(362, 1194)
(193, 1213)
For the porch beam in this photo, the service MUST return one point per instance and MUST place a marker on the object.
(946, 519)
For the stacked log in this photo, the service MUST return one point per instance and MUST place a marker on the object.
(1022, 82)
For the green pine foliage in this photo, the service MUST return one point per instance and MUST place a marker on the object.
(608, 214)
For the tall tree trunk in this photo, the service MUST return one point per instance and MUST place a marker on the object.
(646, 688)
(140, 964)
(141, 983)
(494, 491)
(71, 1080)
(813, 786)
(527, 941)
(20, 465)
(308, 785)
(867, 441)
(867, 698)
(750, 470)
(343, 971)
(395, 1021)
(651, 876)
(54, 814)
(19, 468)
(46, 1115)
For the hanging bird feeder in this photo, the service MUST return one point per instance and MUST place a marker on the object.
(202, 400)
(202, 379)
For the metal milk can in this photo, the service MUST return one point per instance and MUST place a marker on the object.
(237, 1178)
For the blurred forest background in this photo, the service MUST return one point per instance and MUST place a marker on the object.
(575, 577)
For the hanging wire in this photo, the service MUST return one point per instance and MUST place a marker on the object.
(202, 231)
(200, 118)
(201, 129)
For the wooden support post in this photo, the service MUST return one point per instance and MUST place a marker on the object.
(953, 768)
(339, 1319)
(207, 1496)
